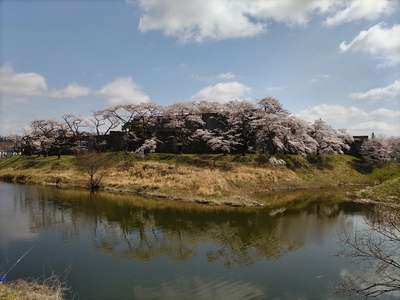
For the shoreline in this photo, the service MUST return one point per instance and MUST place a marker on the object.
(193, 178)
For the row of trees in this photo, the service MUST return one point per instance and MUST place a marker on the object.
(236, 126)
(381, 149)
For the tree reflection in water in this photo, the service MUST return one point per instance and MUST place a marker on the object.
(145, 229)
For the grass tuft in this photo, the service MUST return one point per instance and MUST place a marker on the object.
(50, 289)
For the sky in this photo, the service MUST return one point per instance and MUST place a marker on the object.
(338, 60)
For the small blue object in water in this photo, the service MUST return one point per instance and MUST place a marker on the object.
(2, 278)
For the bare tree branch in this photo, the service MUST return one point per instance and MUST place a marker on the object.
(376, 251)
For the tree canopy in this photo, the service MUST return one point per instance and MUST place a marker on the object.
(238, 126)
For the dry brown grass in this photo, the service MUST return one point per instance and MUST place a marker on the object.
(197, 181)
(24, 290)
(205, 179)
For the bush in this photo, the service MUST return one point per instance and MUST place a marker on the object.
(7, 178)
(95, 166)
(21, 178)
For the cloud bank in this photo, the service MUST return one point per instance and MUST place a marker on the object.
(348, 11)
(15, 87)
(33, 84)
(73, 90)
(222, 92)
(21, 84)
(355, 120)
(390, 91)
(196, 21)
(381, 42)
(123, 90)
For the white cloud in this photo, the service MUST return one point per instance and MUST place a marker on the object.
(390, 91)
(348, 11)
(222, 92)
(385, 113)
(196, 21)
(291, 12)
(319, 77)
(355, 120)
(274, 88)
(219, 77)
(32, 84)
(123, 90)
(73, 90)
(329, 112)
(381, 42)
(227, 75)
(23, 84)
(373, 126)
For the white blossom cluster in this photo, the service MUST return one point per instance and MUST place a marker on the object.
(238, 126)
(381, 149)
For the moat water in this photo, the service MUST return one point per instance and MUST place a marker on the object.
(106, 246)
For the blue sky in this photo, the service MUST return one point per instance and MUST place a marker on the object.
(332, 59)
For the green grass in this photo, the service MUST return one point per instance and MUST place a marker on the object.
(384, 171)
(35, 162)
(387, 191)
(10, 162)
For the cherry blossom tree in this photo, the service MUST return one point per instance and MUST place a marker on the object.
(216, 133)
(61, 139)
(394, 142)
(240, 117)
(239, 125)
(147, 116)
(270, 133)
(210, 107)
(329, 140)
(17, 142)
(27, 141)
(149, 146)
(126, 114)
(280, 132)
(137, 121)
(182, 119)
(270, 105)
(43, 135)
(376, 149)
(219, 140)
(75, 126)
(103, 121)
(297, 139)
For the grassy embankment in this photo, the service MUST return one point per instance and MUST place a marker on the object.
(387, 191)
(213, 179)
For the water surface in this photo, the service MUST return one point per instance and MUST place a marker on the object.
(123, 247)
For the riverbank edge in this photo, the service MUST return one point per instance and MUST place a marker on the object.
(232, 181)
